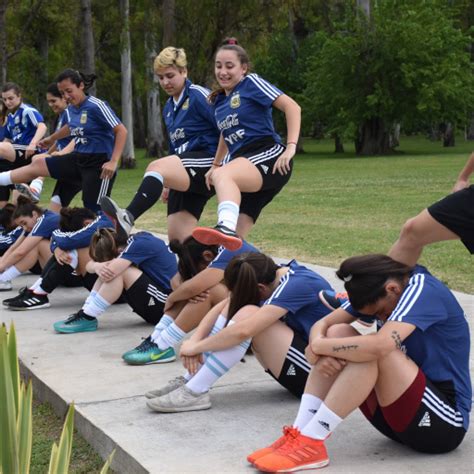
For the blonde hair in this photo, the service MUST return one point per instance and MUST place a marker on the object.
(171, 57)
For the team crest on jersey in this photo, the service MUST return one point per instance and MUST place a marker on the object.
(84, 117)
(17, 119)
(185, 104)
(235, 101)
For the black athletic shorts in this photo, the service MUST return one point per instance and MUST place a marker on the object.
(263, 154)
(147, 299)
(66, 191)
(296, 368)
(424, 418)
(456, 212)
(85, 169)
(196, 164)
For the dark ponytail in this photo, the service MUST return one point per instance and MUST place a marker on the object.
(190, 256)
(230, 44)
(73, 218)
(25, 207)
(104, 246)
(365, 277)
(242, 276)
(6, 217)
(76, 77)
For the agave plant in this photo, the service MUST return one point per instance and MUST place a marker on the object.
(16, 434)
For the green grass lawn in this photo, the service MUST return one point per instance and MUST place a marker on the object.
(336, 206)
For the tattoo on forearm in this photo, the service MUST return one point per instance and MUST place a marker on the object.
(344, 348)
(397, 339)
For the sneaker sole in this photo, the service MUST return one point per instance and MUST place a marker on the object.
(111, 211)
(26, 191)
(6, 289)
(159, 361)
(314, 465)
(325, 302)
(14, 308)
(208, 236)
(73, 332)
(205, 406)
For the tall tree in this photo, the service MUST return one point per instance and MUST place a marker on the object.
(128, 156)
(87, 38)
(3, 42)
(169, 23)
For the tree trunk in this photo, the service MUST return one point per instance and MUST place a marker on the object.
(87, 36)
(364, 6)
(373, 138)
(470, 129)
(169, 23)
(44, 53)
(3, 42)
(139, 135)
(128, 155)
(448, 135)
(338, 145)
(394, 139)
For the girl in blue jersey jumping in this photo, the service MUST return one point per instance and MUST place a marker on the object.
(260, 165)
(99, 138)
(23, 131)
(64, 191)
(33, 245)
(411, 379)
(262, 293)
(141, 268)
(193, 138)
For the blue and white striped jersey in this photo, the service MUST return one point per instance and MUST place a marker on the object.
(191, 123)
(7, 239)
(22, 124)
(81, 238)
(224, 256)
(440, 343)
(45, 225)
(245, 115)
(298, 293)
(62, 120)
(153, 256)
(91, 125)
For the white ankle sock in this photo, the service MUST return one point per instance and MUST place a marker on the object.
(322, 424)
(6, 178)
(170, 337)
(228, 214)
(96, 306)
(10, 273)
(163, 323)
(217, 364)
(309, 406)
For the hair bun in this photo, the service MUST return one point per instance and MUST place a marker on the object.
(230, 41)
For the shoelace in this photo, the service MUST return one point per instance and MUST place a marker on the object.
(73, 318)
(146, 345)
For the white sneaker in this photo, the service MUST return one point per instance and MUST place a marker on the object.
(179, 400)
(169, 387)
(5, 285)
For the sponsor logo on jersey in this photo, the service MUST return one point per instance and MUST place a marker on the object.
(84, 117)
(235, 101)
(232, 120)
(178, 134)
(313, 411)
(185, 104)
(426, 420)
(291, 370)
(151, 302)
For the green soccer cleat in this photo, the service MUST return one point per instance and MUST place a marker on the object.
(77, 322)
(149, 353)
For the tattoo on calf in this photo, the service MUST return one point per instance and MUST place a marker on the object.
(397, 339)
(344, 348)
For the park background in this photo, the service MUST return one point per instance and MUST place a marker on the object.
(386, 89)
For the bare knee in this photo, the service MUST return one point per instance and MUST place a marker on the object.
(410, 230)
(341, 330)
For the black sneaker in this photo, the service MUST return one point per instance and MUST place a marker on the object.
(122, 219)
(29, 300)
(218, 235)
(21, 292)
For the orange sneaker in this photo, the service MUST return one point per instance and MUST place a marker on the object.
(218, 235)
(288, 432)
(296, 454)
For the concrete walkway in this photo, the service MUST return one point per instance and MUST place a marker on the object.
(249, 408)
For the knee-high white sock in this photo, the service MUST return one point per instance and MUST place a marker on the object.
(322, 424)
(170, 337)
(6, 178)
(228, 214)
(89, 298)
(10, 273)
(217, 364)
(96, 306)
(163, 323)
(308, 407)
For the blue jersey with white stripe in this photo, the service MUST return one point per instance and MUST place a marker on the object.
(7, 239)
(440, 343)
(224, 256)
(91, 125)
(298, 293)
(245, 115)
(22, 124)
(2, 132)
(45, 225)
(191, 123)
(62, 120)
(81, 238)
(151, 255)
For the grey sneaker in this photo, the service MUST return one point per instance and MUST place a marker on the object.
(29, 192)
(169, 387)
(181, 399)
(123, 220)
(5, 285)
